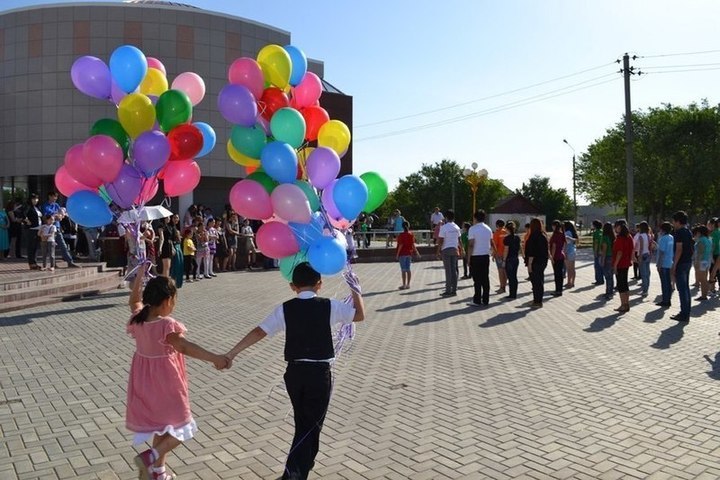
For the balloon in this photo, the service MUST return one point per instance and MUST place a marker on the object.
(104, 156)
(350, 195)
(88, 209)
(136, 114)
(327, 256)
(192, 84)
(79, 168)
(112, 128)
(340, 224)
(299, 64)
(239, 158)
(279, 161)
(307, 233)
(91, 76)
(128, 67)
(180, 178)
(290, 203)
(328, 202)
(208, 136)
(126, 187)
(249, 141)
(322, 166)
(250, 199)
(154, 83)
(103, 193)
(334, 134)
(275, 64)
(377, 190)
(250, 170)
(173, 108)
(247, 72)
(263, 179)
(310, 194)
(151, 151)
(315, 117)
(148, 191)
(287, 264)
(308, 91)
(116, 94)
(237, 105)
(272, 100)
(288, 125)
(66, 184)
(156, 64)
(186, 141)
(276, 240)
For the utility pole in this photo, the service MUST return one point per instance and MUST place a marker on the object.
(627, 70)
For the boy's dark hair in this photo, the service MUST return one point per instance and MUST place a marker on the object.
(450, 215)
(305, 276)
(156, 292)
(406, 226)
(666, 227)
(500, 223)
(510, 226)
(680, 217)
(467, 225)
(597, 224)
(47, 216)
(479, 215)
(52, 193)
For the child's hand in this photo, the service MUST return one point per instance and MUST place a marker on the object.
(221, 362)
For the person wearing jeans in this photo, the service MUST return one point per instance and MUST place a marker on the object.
(510, 257)
(449, 245)
(598, 259)
(606, 243)
(536, 254)
(642, 249)
(665, 254)
(682, 262)
(52, 208)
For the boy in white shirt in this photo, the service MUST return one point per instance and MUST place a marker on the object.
(450, 246)
(47, 242)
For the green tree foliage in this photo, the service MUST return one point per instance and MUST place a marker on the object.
(419, 193)
(553, 202)
(676, 158)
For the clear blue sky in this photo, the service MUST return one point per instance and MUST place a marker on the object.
(399, 58)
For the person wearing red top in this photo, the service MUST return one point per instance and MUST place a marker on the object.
(405, 249)
(623, 248)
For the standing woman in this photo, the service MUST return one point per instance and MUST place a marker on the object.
(606, 253)
(221, 256)
(14, 212)
(536, 253)
(166, 245)
(703, 259)
(4, 236)
(571, 238)
(557, 253)
(622, 261)
(511, 259)
(177, 269)
(33, 221)
(232, 230)
(150, 251)
(643, 255)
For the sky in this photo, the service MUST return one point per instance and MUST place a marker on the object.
(411, 64)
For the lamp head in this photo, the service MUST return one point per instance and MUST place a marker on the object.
(467, 172)
(474, 165)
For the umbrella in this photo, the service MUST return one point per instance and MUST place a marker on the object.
(144, 213)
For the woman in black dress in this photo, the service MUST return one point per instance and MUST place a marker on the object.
(536, 253)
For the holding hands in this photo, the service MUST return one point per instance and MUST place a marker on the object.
(222, 362)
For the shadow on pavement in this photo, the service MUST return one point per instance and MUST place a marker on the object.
(670, 336)
(584, 289)
(372, 294)
(407, 304)
(26, 318)
(437, 317)
(655, 315)
(592, 306)
(714, 372)
(503, 318)
(602, 323)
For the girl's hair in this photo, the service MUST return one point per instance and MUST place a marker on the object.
(571, 226)
(644, 227)
(406, 226)
(510, 227)
(608, 231)
(536, 225)
(703, 230)
(624, 230)
(156, 292)
(187, 232)
(556, 225)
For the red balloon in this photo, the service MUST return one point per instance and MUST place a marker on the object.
(186, 141)
(315, 117)
(272, 100)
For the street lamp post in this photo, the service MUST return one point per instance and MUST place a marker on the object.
(574, 193)
(474, 178)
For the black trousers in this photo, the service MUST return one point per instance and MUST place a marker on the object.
(308, 385)
(511, 268)
(480, 271)
(32, 247)
(558, 266)
(190, 267)
(537, 278)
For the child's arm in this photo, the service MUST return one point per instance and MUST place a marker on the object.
(186, 347)
(359, 306)
(135, 300)
(254, 336)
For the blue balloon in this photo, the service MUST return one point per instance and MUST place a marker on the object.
(350, 195)
(279, 160)
(327, 256)
(299, 64)
(128, 67)
(308, 233)
(88, 209)
(209, 138)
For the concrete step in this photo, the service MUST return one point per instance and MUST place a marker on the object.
(35, 278)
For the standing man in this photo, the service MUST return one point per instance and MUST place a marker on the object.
(52, 208)
(33, 222)
(480, 247)
(450, 247)
(436, 221)
(597, 254)
(682, 262)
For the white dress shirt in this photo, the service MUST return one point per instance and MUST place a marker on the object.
(481, 235)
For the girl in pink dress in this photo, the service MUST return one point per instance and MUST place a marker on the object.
(158, 406)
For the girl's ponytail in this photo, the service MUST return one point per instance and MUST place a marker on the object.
(156, 292)
(142, 316)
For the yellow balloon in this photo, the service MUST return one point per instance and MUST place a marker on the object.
(241, 159)
(154, 83)
(304, 153)
(136, 114)
(336, 135)
(276, 65)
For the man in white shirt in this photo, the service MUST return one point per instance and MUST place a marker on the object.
(450, 246)
(436, 221)
(480, 247)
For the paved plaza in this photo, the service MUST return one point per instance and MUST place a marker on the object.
(429, 390)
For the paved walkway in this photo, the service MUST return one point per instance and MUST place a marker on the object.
(430, 390)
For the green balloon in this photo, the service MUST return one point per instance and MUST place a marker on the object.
(249, 141)
(173, 108)
(310, 193)
(104, 194)
(377, 190)
(263, 179)
(112, 128)
(288, 125)
(288, 264)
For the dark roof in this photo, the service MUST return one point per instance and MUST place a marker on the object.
(160, 2)
(516, 204)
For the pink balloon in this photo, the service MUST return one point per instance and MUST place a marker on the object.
(250, 199)
(155, 63)
(79, 168)
(180, 177)
(104, 155)
(247, 72)
(340, 224)
(148, 192)
(329, 203)
(66, 184)
(276, 240)
(308, 91)
(192, 84)
(290, 203)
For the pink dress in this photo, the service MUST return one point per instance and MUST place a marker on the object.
(157, 393)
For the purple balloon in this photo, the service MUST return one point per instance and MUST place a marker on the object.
(323, 165)
(329, 203)
(126, 187)
(91, 76)
(116, 94)
(237, 105)
(151, 151)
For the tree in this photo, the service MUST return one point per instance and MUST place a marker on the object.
(553, 202)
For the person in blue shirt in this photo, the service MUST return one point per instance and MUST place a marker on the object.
(665, 255)
(51, 207)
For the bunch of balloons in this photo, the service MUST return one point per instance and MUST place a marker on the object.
(153, 137)
(291, 150)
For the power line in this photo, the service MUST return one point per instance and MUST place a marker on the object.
(683, 71)
(682, 66)
(702, 52)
